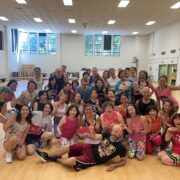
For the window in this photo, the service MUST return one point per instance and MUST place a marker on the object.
(42, 43)
(89, 45)
(99, 45)
(116, 45)
(23, 42)
(52, 43)
(98, 42)
(33, 41)
(37, 43)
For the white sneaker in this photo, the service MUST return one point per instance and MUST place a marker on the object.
(8, 157)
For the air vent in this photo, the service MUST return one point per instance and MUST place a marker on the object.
(173, 51)
(163, 53)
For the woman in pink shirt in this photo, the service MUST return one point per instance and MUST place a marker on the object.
(137, 128)
(163, 91)
(110, 117)
(171, 157)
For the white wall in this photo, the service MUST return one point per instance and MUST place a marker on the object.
(3, 53)
(72, 53)
(165, 39)
(48, 63)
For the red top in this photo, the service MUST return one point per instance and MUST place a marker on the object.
(70, 127)
(123, 111)
(176, 142)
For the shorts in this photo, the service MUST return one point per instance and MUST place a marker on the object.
(32, 138)
(83, 154)
(173, 156)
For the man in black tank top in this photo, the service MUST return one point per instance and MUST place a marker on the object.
(143, 104)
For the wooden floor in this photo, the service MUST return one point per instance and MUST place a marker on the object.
(32, 169)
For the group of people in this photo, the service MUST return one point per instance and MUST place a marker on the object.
(93, 120)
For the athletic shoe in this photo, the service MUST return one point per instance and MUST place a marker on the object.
(45, 158)
(8, 157)
(42, 155)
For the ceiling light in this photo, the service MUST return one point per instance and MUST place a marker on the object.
(21, 1)
(123, 3)
(3, 18)
(47, 30)
(111, 21)
(38, 19)
(150, 23)
(74, 31)
(68, 2)
(134, 33)
(104, 32)
(176, 6)
(72, 21)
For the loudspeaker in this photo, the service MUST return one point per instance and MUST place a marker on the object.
(107, 42)
(1, 40)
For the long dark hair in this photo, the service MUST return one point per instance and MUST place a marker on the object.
(136, 111)
(28, 118)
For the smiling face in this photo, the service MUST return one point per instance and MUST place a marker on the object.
(167, 107)
(73, 112)
(24, 112)
(146, 93)
(116, 132)
(153, 113)
(77, 98)
(162, 81)
(177, 122)
(47, 109)
(131, 110)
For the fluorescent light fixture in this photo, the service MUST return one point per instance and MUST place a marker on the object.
(47, 30)
(38, 19)
(150, 23)
(3, 18)
(134, 33)
(74, 31)
(21, 1)
(111, 21)
(104, 32)
(123, 3)
(68, 2)
(175, 6)
(72, 21)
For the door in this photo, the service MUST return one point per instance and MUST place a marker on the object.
(171, 68)
(163, 70)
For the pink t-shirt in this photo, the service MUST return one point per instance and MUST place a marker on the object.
(166, 93)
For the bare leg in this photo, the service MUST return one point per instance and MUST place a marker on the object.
(10, 144)
(59, 151)
(21, 152)
(161, 154)
(68, 161)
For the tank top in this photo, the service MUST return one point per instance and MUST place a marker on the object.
(137, 136)
(143, 106)
(16, 129)
(60, 83)
(156, 123)
(122, 111)
(61, 111)
(176, 142)
(39, 84)
(70, 127)
(166, 93)
(110, 120)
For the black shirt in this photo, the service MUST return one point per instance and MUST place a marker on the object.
(143, 107)
(107, 149)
